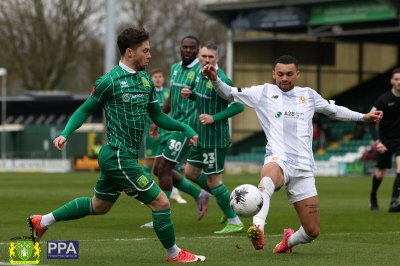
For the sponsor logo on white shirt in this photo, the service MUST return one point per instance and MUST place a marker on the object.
(293, 114)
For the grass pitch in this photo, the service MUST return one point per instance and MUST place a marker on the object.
(350, 233)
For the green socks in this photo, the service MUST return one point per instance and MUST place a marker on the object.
(222, 195)
(201, 180)
(75, 209)
(147, 170)
(168, 193)
(186, 186)
(164, 227)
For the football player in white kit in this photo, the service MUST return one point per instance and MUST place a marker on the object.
(285, 113)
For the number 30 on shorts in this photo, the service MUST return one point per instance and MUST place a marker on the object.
(175, 145)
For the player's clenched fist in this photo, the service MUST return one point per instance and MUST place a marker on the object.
(59, 142)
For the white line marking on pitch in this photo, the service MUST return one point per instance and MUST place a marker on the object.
(212, 237)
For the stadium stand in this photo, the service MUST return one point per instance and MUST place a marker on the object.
(33, 120)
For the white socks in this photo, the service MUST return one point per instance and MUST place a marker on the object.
(234, 220)
(47, 220)
(173, 251)
(299, 237)
(267, 188)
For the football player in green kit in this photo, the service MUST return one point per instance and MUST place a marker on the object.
(175, 145)
(206, 160)
(127, 95)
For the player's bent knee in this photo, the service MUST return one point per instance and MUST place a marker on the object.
(101, 210)
(161, 202)
(101, 207)
(190, 175)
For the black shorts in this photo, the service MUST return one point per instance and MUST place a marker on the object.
(384, 160)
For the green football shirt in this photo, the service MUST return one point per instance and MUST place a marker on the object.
(124, 95)
(183, 110)
(162, 95)
(207, 101)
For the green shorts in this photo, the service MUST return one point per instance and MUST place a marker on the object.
(211, 160)
(152, 147)
(176, 147)
(120, 172)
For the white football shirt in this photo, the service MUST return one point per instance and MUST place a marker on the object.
(286, 118)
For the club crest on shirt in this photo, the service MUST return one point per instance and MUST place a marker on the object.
(209, 85)
(302, 99)
(190, 75)
(145, 82)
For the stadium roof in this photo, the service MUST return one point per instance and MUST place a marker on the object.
(367, 20)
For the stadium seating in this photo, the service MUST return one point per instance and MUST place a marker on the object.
(340, 146)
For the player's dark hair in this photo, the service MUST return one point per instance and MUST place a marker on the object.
(395, 71)
(131, 38)
(210, 45)
(286, 60)
(191, 37)
(156, 71)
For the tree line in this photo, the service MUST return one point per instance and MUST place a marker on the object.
(58, 45)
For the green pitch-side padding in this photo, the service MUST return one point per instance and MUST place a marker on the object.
(164, 227)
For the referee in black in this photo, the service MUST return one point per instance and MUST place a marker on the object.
(387, 141)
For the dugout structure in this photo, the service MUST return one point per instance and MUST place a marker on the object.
(33, 120)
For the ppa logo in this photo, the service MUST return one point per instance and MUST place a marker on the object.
(62, 249)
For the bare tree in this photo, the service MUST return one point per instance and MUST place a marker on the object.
(168, 22)
(40, 40)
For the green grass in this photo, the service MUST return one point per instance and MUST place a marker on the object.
(350, 233)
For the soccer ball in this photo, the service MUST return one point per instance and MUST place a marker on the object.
(246, 200)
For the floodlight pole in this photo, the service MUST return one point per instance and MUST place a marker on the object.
(3, 74)
(110, 36)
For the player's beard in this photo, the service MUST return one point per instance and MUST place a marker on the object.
(286, 87)
(139, 66)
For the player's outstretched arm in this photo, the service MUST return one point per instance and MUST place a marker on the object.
(166, 122)
(373, 116)
(344, 114)
(76, 121)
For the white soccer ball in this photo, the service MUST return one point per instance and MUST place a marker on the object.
(246, 200)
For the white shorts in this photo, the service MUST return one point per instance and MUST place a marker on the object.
(300, 184)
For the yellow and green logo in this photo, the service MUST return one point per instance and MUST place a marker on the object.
(142, 181)
(190, 75)
(145, 82)
(209, 85)
(22, 250)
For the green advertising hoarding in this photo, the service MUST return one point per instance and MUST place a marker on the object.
(352, 12)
